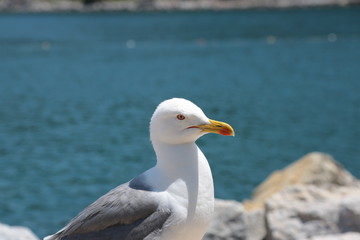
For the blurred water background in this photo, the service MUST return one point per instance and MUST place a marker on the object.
(77, 92)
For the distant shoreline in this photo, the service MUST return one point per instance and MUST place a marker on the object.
(161, 5)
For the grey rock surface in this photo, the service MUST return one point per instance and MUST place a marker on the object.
(344, 236)
(231, 221)
(305, 211)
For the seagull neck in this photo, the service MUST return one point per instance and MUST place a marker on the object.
(176, 159)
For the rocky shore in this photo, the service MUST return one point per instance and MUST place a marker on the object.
(314, 198)
(157, 5)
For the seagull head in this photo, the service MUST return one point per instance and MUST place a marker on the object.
(179, 121)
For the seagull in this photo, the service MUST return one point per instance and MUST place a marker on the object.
(174, 200)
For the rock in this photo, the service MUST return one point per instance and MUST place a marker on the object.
(349, 220)
(344, 236)
(231, 221)
(312, 212)
(16, 233)
(314, 197)
(317, 169)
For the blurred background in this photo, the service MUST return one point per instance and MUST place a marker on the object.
(77, 91)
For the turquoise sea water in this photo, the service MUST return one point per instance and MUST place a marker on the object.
(77, 92)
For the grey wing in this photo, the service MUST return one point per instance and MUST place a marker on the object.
(123, 213)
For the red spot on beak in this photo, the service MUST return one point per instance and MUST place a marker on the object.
(226, 132)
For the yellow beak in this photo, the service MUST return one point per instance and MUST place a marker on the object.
(216, 127)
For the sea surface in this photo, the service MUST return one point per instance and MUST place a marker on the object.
(77, 92)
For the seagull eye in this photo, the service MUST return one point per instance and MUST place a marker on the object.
(180, 117)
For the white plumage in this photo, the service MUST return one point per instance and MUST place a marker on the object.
(173, 200)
